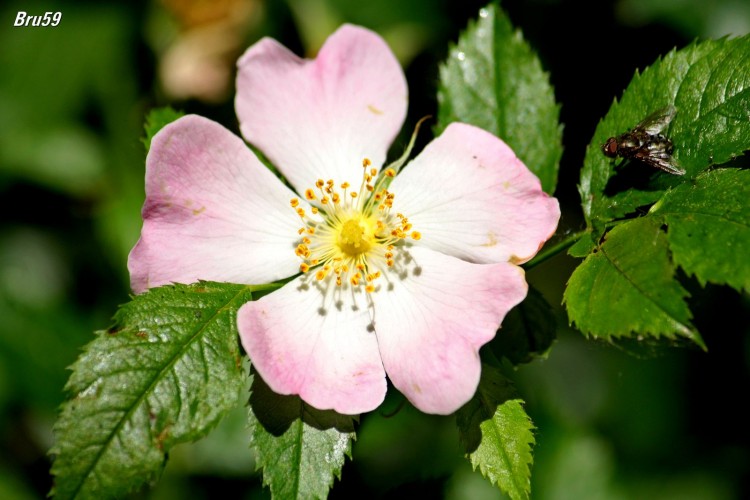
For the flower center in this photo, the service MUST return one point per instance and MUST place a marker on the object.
(354, 238)
(348, 238)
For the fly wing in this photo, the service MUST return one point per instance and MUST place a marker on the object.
(657, 121)
(669, 165)
(661, 160)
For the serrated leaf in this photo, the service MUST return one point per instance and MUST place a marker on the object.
(300, 449)
(492, 79)
(157, 119)
(165, 373)
(709, 227)
(528, 330)
(708, 83)
(626, 288)
(497, 434)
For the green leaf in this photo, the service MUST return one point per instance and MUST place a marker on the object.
(301, 449)
(497, 434)
(709, 227)
(493, 79)
(709, 85)
(626, 287)
(165, 373)
(527, 331)
(583, 246)
(157, 119)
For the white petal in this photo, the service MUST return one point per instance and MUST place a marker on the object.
(321, 118)
(469, 196)
(322, 350)
(212, 212)
(434, 318)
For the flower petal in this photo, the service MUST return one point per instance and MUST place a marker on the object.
(470, 197)
(320, 118)
(328, 355)
(212, 212)
(431, 324)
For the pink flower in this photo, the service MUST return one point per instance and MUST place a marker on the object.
(407, 279)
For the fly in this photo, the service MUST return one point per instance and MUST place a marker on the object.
(646, 143)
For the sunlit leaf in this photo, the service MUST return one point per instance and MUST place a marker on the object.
(300, 449)
(709, 227)
(497, 434)
(165, 373)
(708, 84)
(627, 288)
(492, 79)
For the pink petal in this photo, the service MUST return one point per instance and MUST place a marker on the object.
(470, 197)
(320, 118)
(431, 324)
(212, 212)
(327, 354)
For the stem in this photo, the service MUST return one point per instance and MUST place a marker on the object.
(558, 247)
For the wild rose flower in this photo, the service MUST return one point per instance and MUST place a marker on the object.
(406, 275)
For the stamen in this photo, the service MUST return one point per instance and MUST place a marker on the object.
(352, 238)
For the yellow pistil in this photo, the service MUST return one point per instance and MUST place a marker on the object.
(351, 239)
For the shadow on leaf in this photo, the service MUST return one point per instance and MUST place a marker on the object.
(276, 413)
(494, 390)
(528, 330)
(633, 175)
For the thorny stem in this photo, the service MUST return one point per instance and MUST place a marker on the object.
(558, 247)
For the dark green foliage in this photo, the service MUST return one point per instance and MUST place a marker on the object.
(493, 79)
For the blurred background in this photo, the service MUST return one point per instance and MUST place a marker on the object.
(73, 99)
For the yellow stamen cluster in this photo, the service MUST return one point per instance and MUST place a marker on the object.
(352, 235)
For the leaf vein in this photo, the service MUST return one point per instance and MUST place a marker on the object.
(115, 433)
